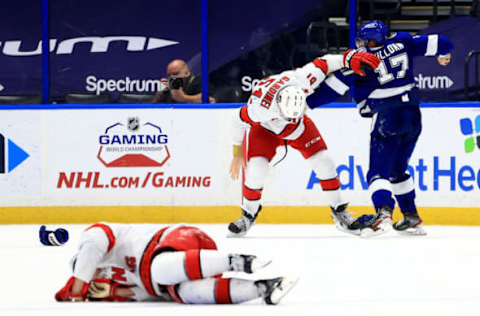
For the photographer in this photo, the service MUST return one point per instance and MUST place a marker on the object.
(181, 86)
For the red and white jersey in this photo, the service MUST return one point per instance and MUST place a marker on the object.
(262, 107)
(117, 250)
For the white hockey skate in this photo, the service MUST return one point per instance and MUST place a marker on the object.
(246, 263)
(343, 219)
(273, 290)
(378, 225)
(241, 226)
(411, 225)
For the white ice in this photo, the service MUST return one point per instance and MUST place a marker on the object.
(438, 274)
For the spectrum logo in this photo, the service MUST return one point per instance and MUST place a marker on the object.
(11, 155)
(466, 126)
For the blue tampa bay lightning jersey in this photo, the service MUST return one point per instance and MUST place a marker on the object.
(392, 83)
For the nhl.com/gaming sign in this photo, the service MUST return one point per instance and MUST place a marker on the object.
(133, 145)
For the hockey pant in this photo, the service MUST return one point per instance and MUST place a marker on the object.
(188, 264)
(392, 141)
(259, 149)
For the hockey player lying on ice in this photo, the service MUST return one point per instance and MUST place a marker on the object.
(119, 262)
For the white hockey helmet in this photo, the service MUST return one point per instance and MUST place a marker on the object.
(292, 102)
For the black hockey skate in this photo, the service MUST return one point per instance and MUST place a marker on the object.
(240, 227)
(410, 224)
(273, 290)
(246, 263)
(343, 220)
(379, 224)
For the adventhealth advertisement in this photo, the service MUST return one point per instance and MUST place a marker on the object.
(181, 157)
(445, 164)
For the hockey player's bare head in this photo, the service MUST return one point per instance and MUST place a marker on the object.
(291, 101)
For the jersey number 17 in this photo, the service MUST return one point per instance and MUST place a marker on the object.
(384, 76)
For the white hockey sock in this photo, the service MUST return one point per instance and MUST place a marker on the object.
(217, 291)
(251, 207)
(243, 290)
(335, 198)
(326, 171)
(179, 266)
(403, 187)
(255, 174)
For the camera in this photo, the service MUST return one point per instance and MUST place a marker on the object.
(175, 83)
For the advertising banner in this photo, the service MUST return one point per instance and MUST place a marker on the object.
(97, 50)
(22, 146)
(175, 157)
(438, 83)
(97, 47)
(445, 164)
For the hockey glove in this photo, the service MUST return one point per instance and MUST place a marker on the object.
(53, 237)
(361, 222)
(356, 60)
(66, 295)
(104, 290)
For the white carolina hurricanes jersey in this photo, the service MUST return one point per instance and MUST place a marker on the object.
(116, 250)
(262, 107)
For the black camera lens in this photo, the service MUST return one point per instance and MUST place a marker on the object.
(175, 83)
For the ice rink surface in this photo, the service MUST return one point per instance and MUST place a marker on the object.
(438, 274)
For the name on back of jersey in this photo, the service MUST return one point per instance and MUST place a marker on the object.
(267, 99)
(389, 50)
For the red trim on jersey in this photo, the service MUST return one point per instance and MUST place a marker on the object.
(252, 194)
(244, 115)
(222, 291)
(322, 64)
(330, 185)
(146, 262)
(172, 291)
(192, 264)
(290, 128)
(257, 93)
(108, 231)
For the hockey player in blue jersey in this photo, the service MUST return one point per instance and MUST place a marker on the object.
(388, 95)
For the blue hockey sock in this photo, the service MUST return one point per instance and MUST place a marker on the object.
(407, 202)
(382, 198)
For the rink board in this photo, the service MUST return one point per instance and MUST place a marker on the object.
(171, 165)
(213, 214)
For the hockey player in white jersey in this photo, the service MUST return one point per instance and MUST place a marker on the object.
(119, 262)
(274, 116)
